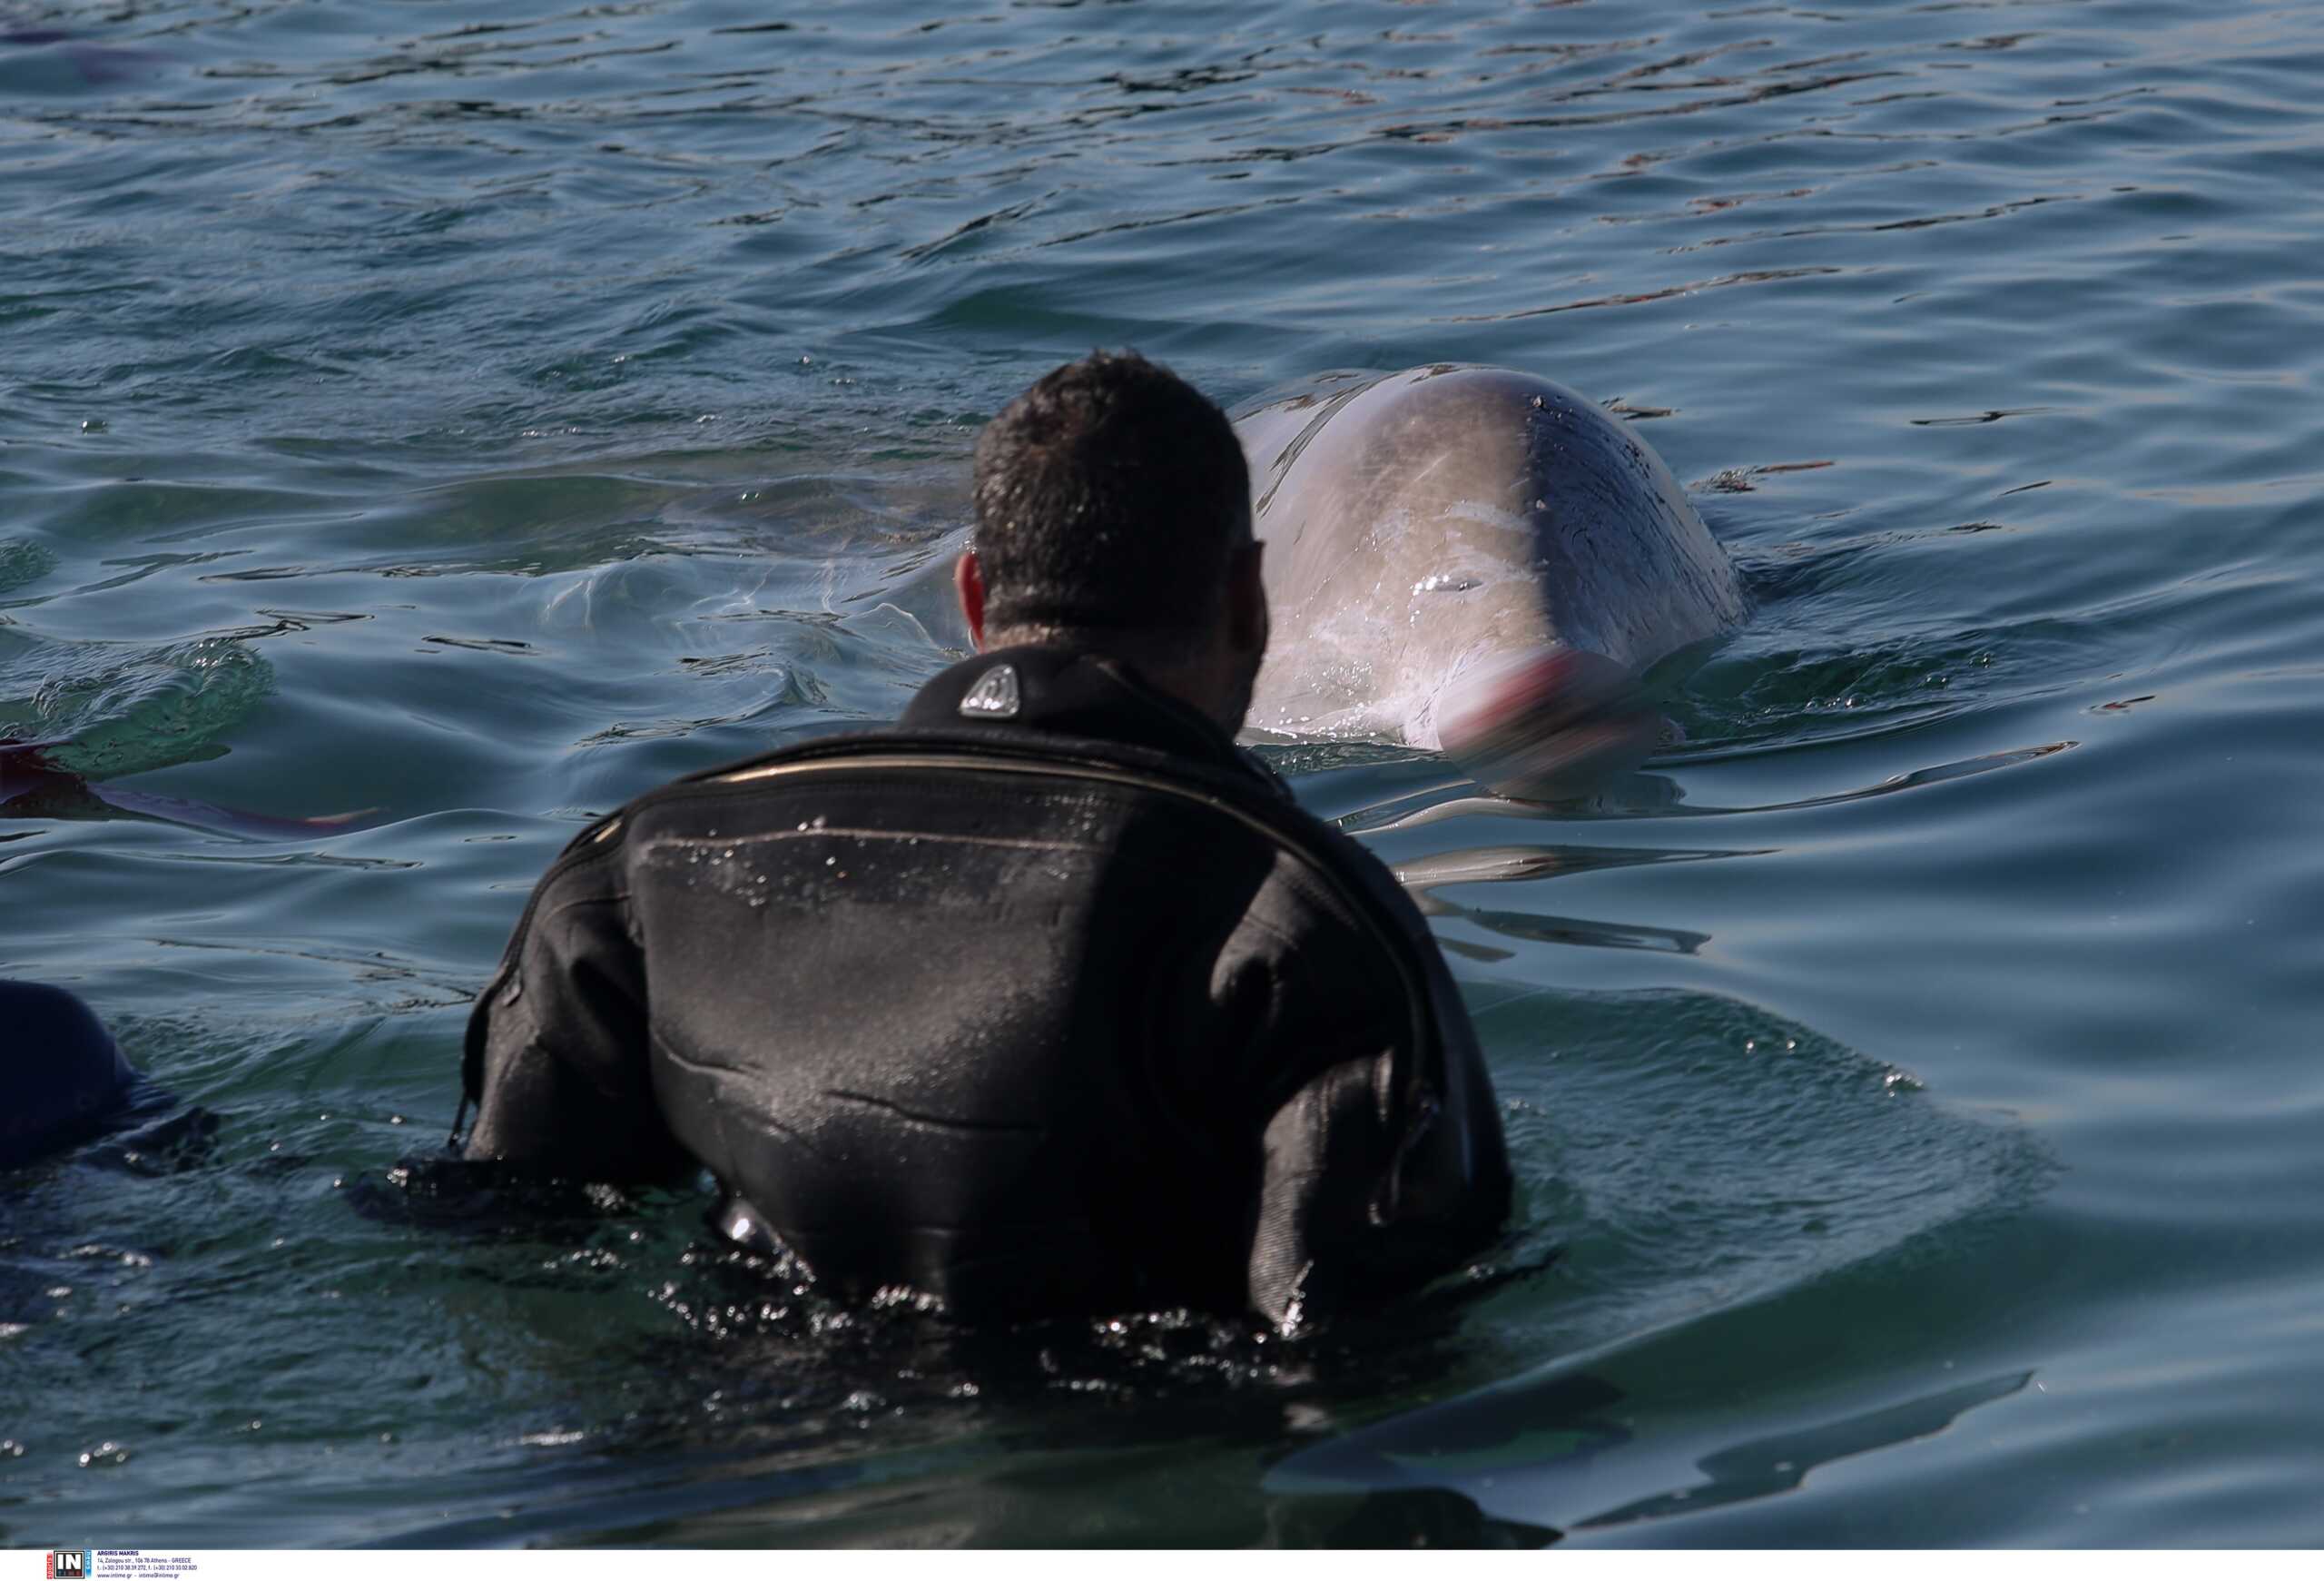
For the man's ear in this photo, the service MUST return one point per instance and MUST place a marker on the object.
(1246, 601)
(968, 577)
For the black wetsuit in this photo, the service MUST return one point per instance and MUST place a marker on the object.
(1046, 999)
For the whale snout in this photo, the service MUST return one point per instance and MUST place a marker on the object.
(1546, 722)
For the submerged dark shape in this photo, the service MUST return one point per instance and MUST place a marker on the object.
(63, 1079)
(92, 63)
(1567, 1418)
(1762, 1467)
(1532, 1442)
(172, 1146)
(32, 786)
(483, 1197)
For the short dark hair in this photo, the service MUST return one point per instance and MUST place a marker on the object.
(1109, 497)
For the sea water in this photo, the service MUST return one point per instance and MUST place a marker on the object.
(470, 417)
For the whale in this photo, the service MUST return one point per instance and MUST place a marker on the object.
(1474, 560)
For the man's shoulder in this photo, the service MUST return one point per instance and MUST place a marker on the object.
(1331, 881)
(906, 751)
(1323, 878)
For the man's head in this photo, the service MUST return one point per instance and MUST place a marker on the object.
(1113, 513)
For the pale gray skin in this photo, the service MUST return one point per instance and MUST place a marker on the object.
(1429, 523)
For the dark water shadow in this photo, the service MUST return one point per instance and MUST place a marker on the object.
(1559, 1428)
(784, 1420)
(1762, 1467)
(1792, 1189)
(1424, 876)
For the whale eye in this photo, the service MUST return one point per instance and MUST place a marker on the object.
(1446, 582)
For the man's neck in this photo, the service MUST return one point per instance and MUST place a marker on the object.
(1192, 678)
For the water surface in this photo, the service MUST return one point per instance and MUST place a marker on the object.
(473, 423)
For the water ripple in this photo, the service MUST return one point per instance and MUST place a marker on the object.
(485, 420)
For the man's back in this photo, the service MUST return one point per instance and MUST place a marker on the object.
(1062, 1010)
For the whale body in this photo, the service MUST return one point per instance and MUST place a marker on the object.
(1474, 559)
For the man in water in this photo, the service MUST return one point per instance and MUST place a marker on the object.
(1046, 999)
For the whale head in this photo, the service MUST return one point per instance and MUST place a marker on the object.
(1478, 561)
(1545, 723)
